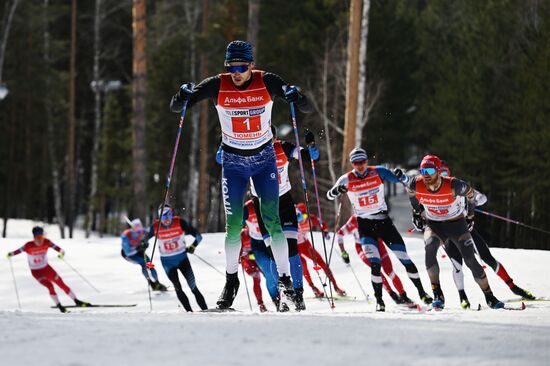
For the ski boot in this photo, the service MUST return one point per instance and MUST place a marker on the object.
(318, 293)
(229, 291)
(426, 299)
(286, 293)
(82, 304)
(438, 302)
(280, 308)
(262, 307)
(404, 300)
(299, 299)
(380, 306)
(464, 302)
(61, 308)
(395, 297)
(526, 295)
(493, 302)
(340, 292)
(157, 286)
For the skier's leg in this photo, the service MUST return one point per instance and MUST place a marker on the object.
(485, 254)
(364, 258)
(369, 243)
(187, 272)
(153, 271)
(387, 268)
(42, 278)
(170, 266)
(267, 187)
(267, 265)
(55, 278)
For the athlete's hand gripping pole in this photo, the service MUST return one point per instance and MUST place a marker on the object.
(169, 178)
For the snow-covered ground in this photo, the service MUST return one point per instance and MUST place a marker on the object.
(351, 333)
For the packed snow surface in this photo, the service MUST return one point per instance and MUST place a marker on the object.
(350, 334)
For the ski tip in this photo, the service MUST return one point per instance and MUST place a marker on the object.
(478, 307)
(332, 306)
(418, 307)
(523, 306)
(150, 265)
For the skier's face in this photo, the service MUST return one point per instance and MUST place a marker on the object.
(39, 239)
(360, 166)
(240, 72)
(430, 175)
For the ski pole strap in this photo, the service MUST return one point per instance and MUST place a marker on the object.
(511, 221)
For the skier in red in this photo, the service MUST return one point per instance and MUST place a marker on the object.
(37, 256)
(248, 261)
(306, 249)
(351, 228)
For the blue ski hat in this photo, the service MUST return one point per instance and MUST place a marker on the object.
(239, 51)
(357, 154)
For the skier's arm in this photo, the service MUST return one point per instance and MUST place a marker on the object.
(16, 252)
(208, 88)
(126, 246)
(411, 190)
(386, 174)
(461, 188)
(274, 84)
(191, 230)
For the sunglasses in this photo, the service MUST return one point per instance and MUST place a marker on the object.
(39, 236)
(237, 68)
(444, 174)
(166, 216)
(428, 171)
(359, 162)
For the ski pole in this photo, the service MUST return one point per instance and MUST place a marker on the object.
(209, 265)
(148, 286)
(335, 229)
(168, 181)
(358, 282)
(78, 273)
(306, 199)
(511, 221)
(246, 287)
(15, 285)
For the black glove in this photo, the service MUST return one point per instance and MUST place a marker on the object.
(192, 247)
(309, 137)
(338, 190)
(291, 93)
(400, 175)
(418, 221)
(143, 245)
(345, 256)
(185, 92)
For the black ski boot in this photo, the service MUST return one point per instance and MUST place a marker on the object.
(299, 299)
(286, 292)
(277, 301)
(380, 306)
(438, 302)
(464, 302)
(404, 300)
(492, 301)
(526, 295)
(157, 286)
(61, 308)
(426, 299)
(82, 304)
(395, 297)
(229, 291)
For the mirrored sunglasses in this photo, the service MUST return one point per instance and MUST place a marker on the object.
(428, 171)
(237, 68)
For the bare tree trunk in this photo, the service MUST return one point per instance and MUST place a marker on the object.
(203, 152)
(52, 156)
(71, 130)
(97, 120)
(253, 25)
(324, 108)
(192, 15)
(8, 17)
(352, 78)
(139, 27)
(362, 86)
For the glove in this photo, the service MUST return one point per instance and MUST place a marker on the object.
(252, 257)
(326, 234)
(143, 245)
(61, 254)
(342, 189)
(345, 256)
(9, 255)
(400, 175)
(185, 92)
(291, 93)
(470, 223)
(309, 137)
(418, 220)
(191, 248)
